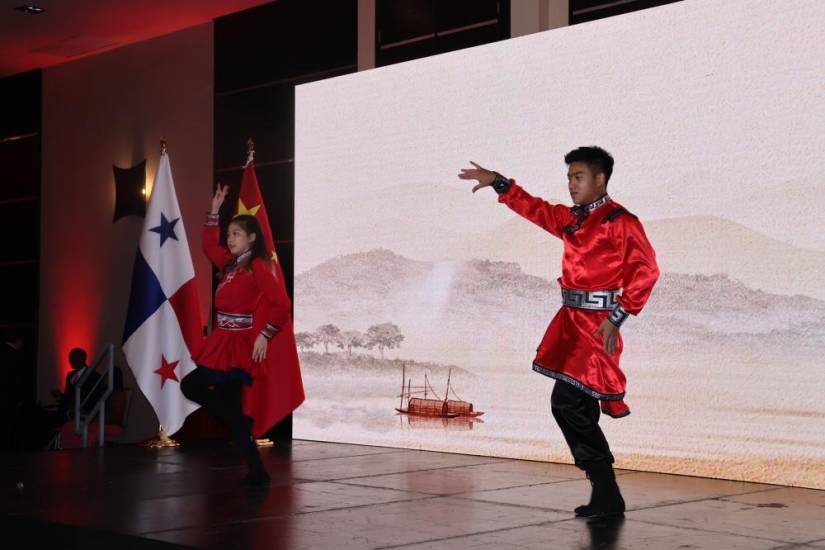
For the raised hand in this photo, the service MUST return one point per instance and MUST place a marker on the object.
(484, 177)
(218, 198)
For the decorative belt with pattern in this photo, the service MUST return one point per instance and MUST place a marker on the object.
(599, 300)
(234, 321)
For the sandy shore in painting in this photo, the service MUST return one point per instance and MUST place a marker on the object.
(674, 427)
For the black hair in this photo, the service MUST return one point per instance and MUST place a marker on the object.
(77, 354)
(250, 225)
(596, 158)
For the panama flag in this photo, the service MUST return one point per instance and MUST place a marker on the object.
(163, 325)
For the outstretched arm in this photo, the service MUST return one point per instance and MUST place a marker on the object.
(217, 254)
(550, 217)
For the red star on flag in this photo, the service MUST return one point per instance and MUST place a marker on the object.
(167, 371)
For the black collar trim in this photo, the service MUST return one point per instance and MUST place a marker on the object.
(582, 208)
(242, 257)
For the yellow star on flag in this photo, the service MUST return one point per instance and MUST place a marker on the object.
(274, 256)
(242, 209)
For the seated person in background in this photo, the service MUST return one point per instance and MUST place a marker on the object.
(66, 404)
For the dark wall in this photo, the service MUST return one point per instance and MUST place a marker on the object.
(411, 29)
(20, 152)
(582, 11)
(260, 56)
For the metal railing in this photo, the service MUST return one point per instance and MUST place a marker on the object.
(98, 408)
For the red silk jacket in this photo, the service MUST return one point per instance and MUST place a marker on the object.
(607, 251)
(249, 303)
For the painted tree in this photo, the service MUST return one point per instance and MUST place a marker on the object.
(328, 334)
(306, 340)
(384, 336)
(352, 339)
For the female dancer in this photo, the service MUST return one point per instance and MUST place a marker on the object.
(251, 307)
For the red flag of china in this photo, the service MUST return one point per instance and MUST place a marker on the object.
(278, 389)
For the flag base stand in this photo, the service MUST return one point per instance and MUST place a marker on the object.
(162, 441)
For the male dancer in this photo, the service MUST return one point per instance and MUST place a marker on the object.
(608, 271)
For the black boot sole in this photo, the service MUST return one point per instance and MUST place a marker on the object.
(582, 511)
(593, 514)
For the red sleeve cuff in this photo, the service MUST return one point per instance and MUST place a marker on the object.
(507, 195)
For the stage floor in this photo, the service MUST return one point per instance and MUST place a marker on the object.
(339, 496)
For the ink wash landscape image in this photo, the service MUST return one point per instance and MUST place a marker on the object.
(405, 279)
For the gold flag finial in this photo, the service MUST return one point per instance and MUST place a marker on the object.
(162, 146)
(250, 151)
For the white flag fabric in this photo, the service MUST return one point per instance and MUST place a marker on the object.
(163, 324)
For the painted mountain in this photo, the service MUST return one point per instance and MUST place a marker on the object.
(489, 315)
(710, 358)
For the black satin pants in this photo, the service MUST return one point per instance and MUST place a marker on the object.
(577, 414)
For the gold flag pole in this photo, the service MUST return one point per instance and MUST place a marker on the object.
(250, 152)
(250, 158)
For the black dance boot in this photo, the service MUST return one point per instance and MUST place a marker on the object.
(606, 499)
(256, 475)
(584, 509)
(256, 472)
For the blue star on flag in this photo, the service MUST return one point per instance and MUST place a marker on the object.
(166, 229)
